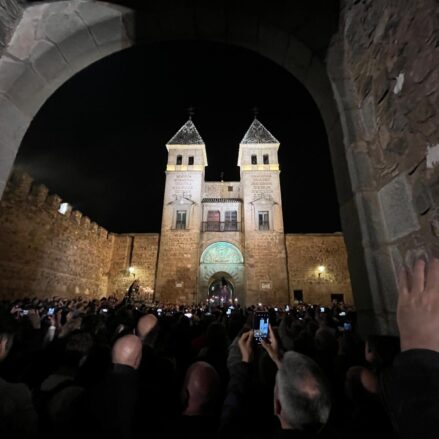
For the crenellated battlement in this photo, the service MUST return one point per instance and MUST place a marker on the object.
(22, 188)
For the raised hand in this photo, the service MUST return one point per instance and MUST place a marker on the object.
(418, 307)
(245, 345)
(272, 347)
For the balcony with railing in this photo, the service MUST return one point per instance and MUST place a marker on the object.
(223, 226)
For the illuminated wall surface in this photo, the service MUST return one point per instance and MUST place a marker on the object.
(44, 252)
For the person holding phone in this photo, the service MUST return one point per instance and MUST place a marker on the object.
(302, 400)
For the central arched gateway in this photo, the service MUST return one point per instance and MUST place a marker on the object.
(221, 268)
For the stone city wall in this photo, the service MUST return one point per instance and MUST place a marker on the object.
(306, 252)
(46, 253)
(265, 265)
(138, 251)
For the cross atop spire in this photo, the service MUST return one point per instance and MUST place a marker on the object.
(190, 112)
(256, 111)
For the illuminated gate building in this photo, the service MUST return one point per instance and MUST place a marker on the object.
(222, 241)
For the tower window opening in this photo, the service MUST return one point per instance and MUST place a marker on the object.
(231, 220)
(254, 160)
(266, 159)
(179, 160)
(263, 220)
(181, 219)
(190, 160)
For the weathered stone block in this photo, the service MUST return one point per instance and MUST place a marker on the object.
(396, 202)
(48, 61)
(106, 23)
(362, 172)
(13, 125)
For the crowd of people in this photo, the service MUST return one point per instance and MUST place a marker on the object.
(108, 369)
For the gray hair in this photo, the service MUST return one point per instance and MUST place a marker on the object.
(302, 392)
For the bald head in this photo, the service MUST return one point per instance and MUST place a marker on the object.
(145, 325)
(127, 351)
(201, 388)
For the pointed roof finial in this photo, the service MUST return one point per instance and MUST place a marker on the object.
(256, 111)
(191, 112)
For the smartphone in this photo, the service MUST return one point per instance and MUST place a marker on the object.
(260, 325)
(24, 312)
(322, 309)
(188, 315)
(276, 309)
(51, 311)
(287, 308)
(347, 326)
(342, 314)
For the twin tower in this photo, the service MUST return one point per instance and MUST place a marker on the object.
(222, 241)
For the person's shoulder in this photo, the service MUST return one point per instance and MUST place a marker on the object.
(14, 393)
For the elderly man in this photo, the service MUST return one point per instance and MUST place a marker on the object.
(302, 401)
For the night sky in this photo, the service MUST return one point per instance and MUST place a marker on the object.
(99, 141)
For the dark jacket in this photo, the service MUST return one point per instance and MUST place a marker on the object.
(413, 394)
(18, 418)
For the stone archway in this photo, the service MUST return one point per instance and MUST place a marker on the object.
(381, 205)
(221, 259)
(216, 285)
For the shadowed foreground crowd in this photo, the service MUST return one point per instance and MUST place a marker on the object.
(114, 370)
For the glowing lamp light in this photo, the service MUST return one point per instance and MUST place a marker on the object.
(259, 304)
(236, 299)
(131, 270)
(321, 268)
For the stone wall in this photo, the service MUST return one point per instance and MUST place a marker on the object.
(309, 251)
(10, 12)
(138, 251)
(265, 268)
(45, 253)
(384, 65)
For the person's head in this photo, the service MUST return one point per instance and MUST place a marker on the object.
(301, 395)
(326, 342)
(146, 326)
(200, 391)
(78, 346)
(127, 350)
(7, 331)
